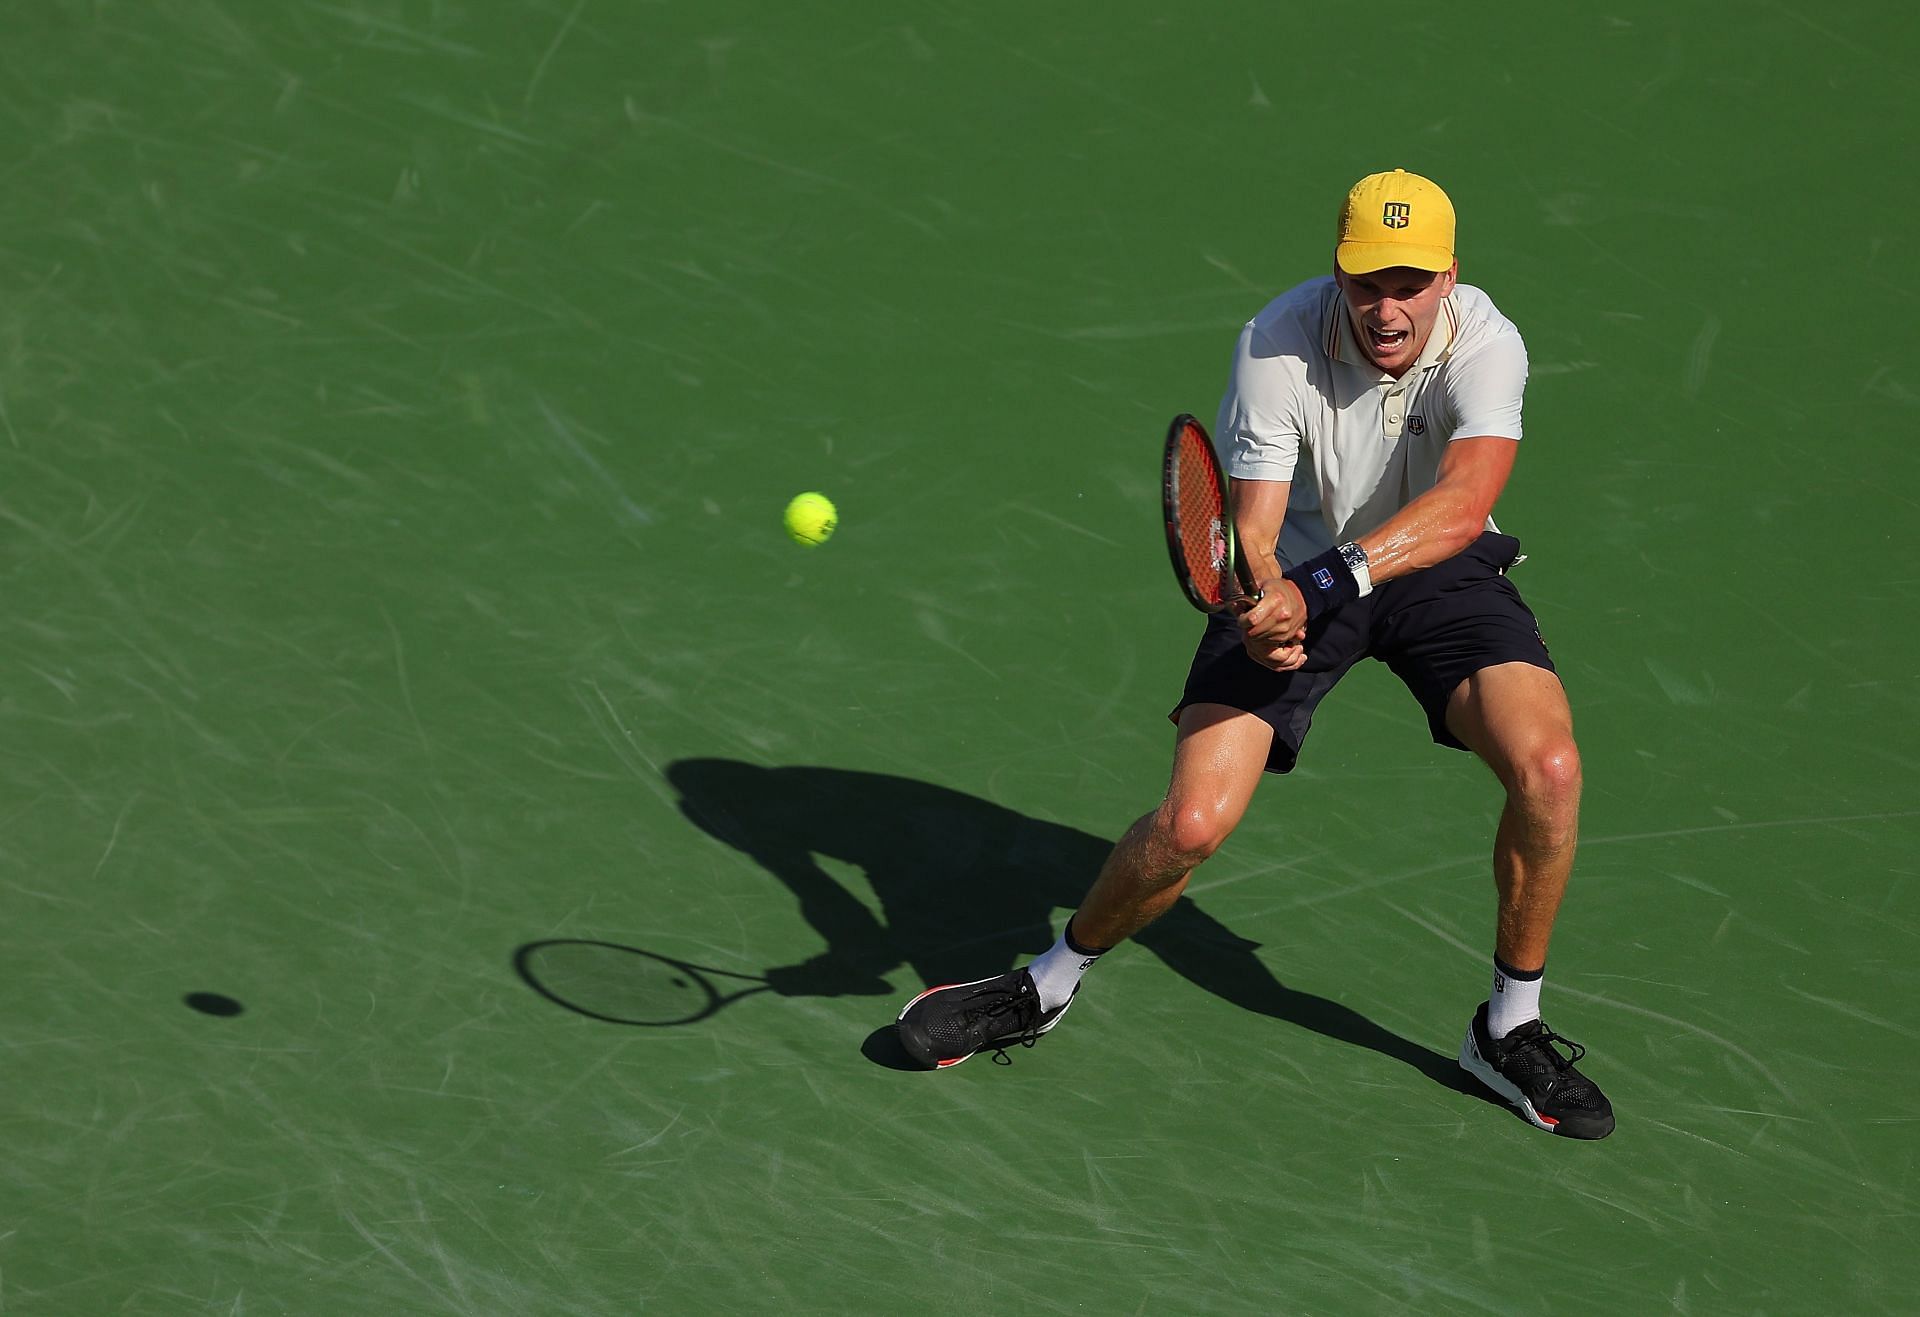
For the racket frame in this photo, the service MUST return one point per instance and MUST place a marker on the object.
(1238, 593)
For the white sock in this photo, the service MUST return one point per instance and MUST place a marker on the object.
(1515, 998)
(1057, 973)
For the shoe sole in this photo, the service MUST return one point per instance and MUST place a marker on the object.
(1481, 1069)
(954, 1061)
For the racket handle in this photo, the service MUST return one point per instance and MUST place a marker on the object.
(1246, 594)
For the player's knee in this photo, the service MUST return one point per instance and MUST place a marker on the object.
(1548, 776)
(1195, 829)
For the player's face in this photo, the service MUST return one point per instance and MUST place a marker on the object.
(1394, 310)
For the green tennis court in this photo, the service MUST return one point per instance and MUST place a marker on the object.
(402, 653)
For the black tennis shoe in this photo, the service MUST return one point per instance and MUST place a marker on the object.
(944, 1026)
(1528, 1070)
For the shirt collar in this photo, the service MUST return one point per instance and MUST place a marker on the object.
(1343, 347)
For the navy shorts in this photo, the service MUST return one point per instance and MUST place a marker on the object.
(1434, 628)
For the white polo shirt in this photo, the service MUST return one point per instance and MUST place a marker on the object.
(1306, 405)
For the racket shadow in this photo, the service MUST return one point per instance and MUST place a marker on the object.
(626, 985)
(966, 889)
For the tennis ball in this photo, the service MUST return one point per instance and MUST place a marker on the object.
(810, 519)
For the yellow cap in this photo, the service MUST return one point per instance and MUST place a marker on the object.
(1395, 219)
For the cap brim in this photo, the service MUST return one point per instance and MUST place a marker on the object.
(1366, 257)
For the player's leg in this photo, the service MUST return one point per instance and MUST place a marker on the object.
(1219, 756)
(1469, 649)
(1236, 720)
(1218, 761)
(1515, 717)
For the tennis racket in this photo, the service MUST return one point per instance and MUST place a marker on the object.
(1200, 537)
(625, 985)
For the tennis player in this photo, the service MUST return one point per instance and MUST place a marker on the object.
(1370, 424)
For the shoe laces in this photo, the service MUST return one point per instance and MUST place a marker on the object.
(1567, 1083)
(1000, 1056)
(992, 1003)
(1544, 1041)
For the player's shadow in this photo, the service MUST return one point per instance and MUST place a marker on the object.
(966, 889)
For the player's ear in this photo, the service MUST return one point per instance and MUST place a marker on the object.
(1449, 277)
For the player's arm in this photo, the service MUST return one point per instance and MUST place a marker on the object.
(1430, 529)
(1263, 431)
(1259, 509)
(1448, 517)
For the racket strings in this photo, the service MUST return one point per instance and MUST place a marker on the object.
(1202, 518)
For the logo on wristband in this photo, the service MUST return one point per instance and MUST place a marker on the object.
(1323, 578)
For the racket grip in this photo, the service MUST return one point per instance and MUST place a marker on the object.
(1249, 594)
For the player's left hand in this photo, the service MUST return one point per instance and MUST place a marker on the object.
(1280, 616)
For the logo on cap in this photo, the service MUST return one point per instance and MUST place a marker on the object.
(1395, 216)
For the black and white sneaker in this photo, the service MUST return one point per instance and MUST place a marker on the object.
(1527, 1070)
(944, 1026)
